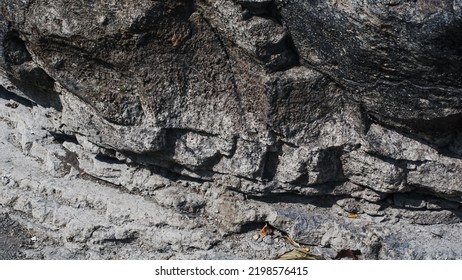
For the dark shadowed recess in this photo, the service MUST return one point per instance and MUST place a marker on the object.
(30, 79)
(8, 95)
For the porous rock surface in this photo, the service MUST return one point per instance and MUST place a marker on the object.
(178, 128)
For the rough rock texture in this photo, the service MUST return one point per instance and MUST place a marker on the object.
(177, 128)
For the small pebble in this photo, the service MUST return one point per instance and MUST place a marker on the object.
(268, 240)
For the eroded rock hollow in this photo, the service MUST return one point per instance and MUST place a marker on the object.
(178, 128)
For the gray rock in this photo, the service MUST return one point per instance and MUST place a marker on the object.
(177, 129)
(374, 173)
(429, 176)
(395, 70)
(394, 145)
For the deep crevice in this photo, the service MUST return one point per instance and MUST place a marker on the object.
(14, 49)
(38, 86)
(130, 239)
(62, 137)
(323, 201)
(250, 227)
(402, 163)
(8, 95)
(270, 163)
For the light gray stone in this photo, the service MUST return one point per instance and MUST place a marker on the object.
(177, 129)
(365, 170)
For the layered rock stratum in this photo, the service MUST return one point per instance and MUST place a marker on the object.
(178, 128)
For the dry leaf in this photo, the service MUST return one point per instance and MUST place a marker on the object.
(296, 244)
(298, 255)
(305, 249)
(266, 230)
(353, 216)
(347, 253)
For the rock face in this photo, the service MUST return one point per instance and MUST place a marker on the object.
(177, 128)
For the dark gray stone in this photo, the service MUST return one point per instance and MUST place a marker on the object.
(199, 121)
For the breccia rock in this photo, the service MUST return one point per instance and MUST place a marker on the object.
(202, 120)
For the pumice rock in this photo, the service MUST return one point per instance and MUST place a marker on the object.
(179, 128)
